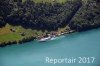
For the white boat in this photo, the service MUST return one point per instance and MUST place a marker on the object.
(44, 39)
(47, 38)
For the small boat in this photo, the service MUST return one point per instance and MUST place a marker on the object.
(44, 39)
(51, 37)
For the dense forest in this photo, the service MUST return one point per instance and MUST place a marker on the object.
(88, 17)
(50, 16)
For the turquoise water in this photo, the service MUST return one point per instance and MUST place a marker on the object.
(83, 44)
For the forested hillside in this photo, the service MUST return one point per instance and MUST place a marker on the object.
(51, 14)
(88, 17)
(43, 16)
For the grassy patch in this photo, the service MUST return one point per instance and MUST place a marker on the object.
(10, 37)
(7, 35)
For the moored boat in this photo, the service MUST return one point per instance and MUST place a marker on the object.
(51, 37)
(44, 39)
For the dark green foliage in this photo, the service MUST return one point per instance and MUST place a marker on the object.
(43, 15)
(2, 23)
(5, 8)
(51, 16)
(87, 17)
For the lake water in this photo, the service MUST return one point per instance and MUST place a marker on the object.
(83, 44)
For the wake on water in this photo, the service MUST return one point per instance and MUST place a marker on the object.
(58, 37)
